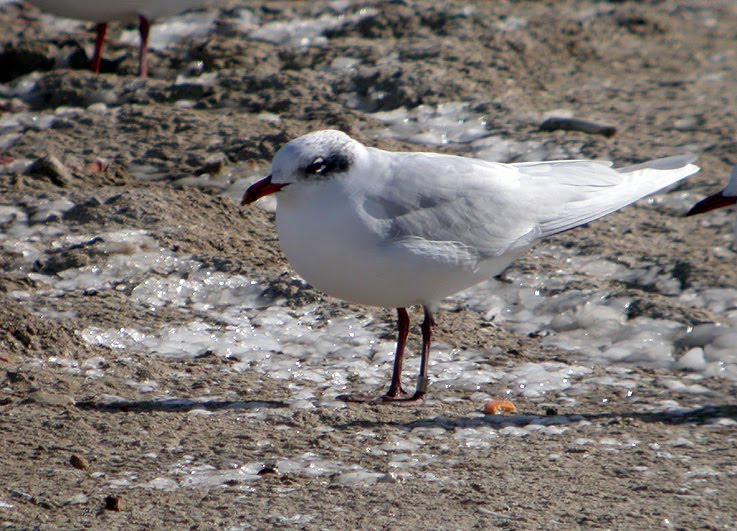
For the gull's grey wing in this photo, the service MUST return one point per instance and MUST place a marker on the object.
(486, 209)
(449, 201)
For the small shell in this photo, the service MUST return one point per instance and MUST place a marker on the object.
(496, 407)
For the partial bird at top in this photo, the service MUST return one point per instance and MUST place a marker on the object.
(103, 11)
(401, 229)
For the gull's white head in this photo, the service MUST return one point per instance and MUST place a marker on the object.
(313, 157)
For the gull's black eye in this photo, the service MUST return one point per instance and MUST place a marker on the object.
(319, 166)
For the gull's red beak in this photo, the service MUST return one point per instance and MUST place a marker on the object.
(260, 189)
(712, 202)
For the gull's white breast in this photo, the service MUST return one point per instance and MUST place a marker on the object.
(332, 241)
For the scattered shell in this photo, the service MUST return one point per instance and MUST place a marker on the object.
(495, 407)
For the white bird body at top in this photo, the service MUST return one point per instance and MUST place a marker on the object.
(103, 11)
(107, 10)
(401, 229)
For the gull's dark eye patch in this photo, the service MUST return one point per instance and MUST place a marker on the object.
(317, 167)
(322, 167)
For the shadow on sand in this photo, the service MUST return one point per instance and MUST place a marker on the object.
(178, 405)
(702, 415)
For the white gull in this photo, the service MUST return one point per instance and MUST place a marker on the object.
(402, 229)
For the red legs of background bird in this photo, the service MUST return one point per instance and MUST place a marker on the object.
(143, 28)
(99, 41)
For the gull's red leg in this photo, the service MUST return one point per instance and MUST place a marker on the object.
(395, 389)
(393, 395)
(143, 28)
(427, 329)
(99, 41)
(422, 381)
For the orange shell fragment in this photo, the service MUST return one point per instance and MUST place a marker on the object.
(495, 407)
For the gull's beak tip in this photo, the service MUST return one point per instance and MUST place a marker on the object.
(260, 189)
(247, 198)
